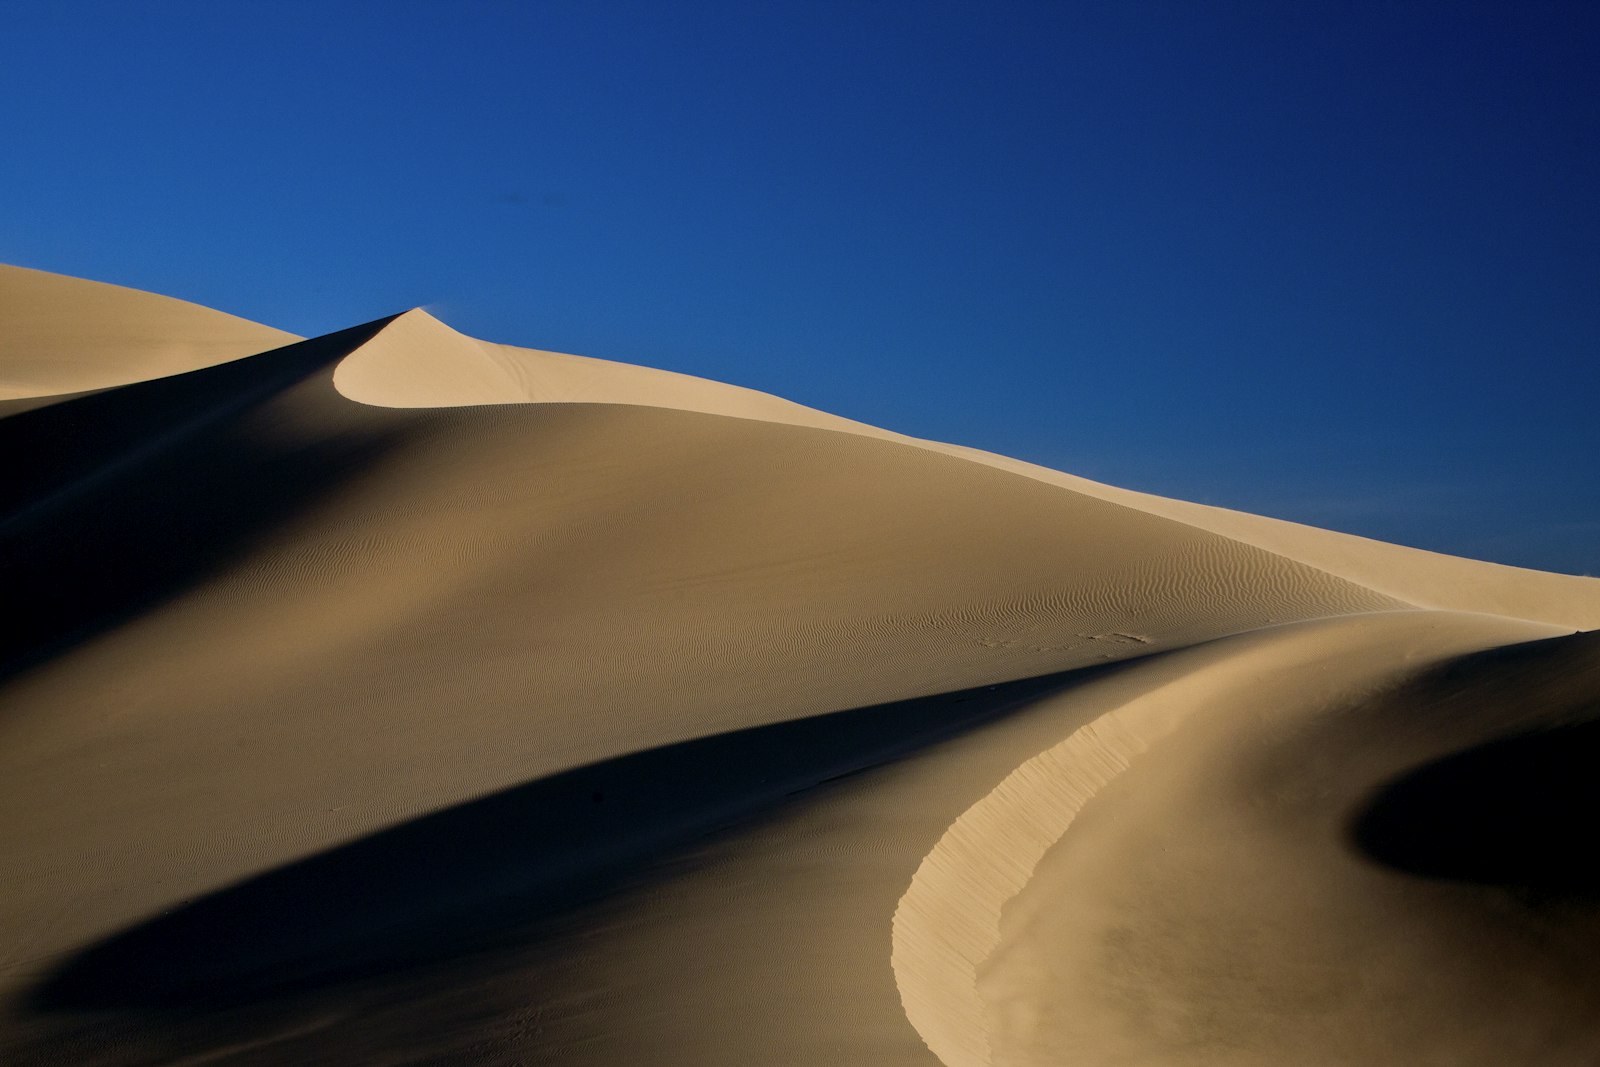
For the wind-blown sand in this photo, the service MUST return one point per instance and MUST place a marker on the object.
(398, 697)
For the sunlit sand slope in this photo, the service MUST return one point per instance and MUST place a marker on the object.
(420, 362)
(396, 697)
(1424, 578)
(61, 335)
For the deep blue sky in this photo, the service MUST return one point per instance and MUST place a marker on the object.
(1338, 263)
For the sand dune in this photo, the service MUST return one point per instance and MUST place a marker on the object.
(420, 362)
(65, 336)
(395, 696)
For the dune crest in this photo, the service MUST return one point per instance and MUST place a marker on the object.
(419, 362)
(65, 336)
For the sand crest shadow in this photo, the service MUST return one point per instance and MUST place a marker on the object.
(1517, 812)
(489, 870)
(123, 499)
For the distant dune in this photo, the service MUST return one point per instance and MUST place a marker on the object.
(65, 336)
(397, 697)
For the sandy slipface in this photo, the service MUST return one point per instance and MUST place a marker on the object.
(395, 696)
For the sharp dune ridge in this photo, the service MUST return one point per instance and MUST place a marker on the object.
(395, 696)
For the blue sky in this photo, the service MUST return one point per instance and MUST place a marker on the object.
(1338, 263)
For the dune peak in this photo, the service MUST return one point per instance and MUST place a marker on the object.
(417, 361)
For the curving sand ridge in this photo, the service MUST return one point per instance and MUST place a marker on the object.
(399, 696)
(419, 362)
(948, 929)
(1373, 877)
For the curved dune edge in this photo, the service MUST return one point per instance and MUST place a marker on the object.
(419, 362)
(947, 924)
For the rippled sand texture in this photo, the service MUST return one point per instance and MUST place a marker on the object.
(396, 697)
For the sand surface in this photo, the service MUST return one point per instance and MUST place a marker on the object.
(65, 336)
(398, 697)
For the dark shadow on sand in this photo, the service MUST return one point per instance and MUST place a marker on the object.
(119, 500)
(489, 872)
(1518, 812)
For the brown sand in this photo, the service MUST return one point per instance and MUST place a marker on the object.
(398, 697)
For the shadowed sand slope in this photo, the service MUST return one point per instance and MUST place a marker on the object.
(398, 697)
(65, 335)
(88, 541)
